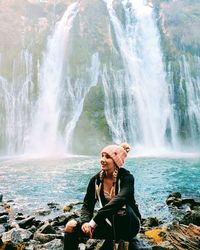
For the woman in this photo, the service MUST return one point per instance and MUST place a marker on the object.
(113, 187)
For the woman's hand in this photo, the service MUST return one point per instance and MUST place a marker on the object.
(69, 228)
(87, 229)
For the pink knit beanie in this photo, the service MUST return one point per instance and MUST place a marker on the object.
(117, 152)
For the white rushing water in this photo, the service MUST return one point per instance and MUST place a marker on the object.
(44, 136)
(146, 88)
(61, 98)
(16, 106)
(140, 106)
(77, 94)
(191, 91)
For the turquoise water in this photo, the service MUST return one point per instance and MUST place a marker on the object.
(34, 183)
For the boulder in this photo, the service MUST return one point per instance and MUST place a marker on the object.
(53, 205)
(185, 237)
(26, 222)
(175, 199)
(150, 222)
(175, 195)
(191, 217)
(70, 206)
(46, 229)
(1, 197)
(2, 229)
(44, 238)
(3, 219)
(62, 219)
(92, 244)
(11, 246)
(16, 235)
(56, 244)
(67, 208)
(42, 212)
(178, 236)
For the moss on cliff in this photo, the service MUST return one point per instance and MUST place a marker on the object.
(92, 132)
(92, 34)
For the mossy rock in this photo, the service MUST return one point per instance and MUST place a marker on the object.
(92, 131)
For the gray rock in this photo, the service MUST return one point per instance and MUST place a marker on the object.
(61, 219)
(33, 229)
(46, 229)
(93, 244)
(16, 235)
(175, 194)
(3, 219)
(2, 229)
(174, 201)
(139, 244)
(81, 246)
(1, 197)
(67, 208)
(3, 212)
(1, 209)
(151, 222)
(53, 205)
(26, 222)
(56, 244)
(192, 217)
(20, 217)
(42, 212)
(44, 238)
(32, 245)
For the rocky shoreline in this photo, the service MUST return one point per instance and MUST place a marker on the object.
(44, 228)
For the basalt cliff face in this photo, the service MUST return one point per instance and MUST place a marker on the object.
(95, 106)
(178, 22)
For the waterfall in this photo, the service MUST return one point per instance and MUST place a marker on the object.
(191, 91)
(42, 103)
(149, 112)
(76, 95)
(114, 105)
(16, 106)
(61, 98)
(44, 135)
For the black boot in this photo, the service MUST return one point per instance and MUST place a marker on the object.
(107, 245)
(70, 241)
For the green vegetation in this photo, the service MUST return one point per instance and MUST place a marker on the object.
(92, 132)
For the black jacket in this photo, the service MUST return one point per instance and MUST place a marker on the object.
(125, 196)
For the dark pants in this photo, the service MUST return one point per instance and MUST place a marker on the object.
(125, 227)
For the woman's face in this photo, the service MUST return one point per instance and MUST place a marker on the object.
(107, 163)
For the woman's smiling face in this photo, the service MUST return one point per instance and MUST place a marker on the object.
(107, 163)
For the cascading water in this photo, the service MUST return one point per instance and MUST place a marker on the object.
(44, 137)
(149, 110)
(76, 95)
(140, 107)
(16, 107)
(61, 100)
(191, 92)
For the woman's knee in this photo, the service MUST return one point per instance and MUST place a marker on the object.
(70, 226)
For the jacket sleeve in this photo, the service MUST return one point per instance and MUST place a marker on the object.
(88, 203)
(127, 190)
